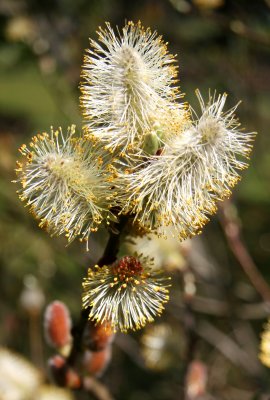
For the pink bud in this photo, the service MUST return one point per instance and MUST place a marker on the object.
(97, 336)
(57, 325)
(58, 368)
(73, 380)
(96, 362)
(62, 374)
(196, 380)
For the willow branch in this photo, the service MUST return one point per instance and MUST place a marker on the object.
(228, 347)
(233, 234)
(109, 256)
(219, 308)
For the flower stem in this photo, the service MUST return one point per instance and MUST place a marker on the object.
(109, 256)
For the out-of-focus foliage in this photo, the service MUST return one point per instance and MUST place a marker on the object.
(222, 45)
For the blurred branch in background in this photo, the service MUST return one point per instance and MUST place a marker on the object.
(231, 226)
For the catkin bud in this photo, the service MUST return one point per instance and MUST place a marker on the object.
(62, 374)
(58, 368)
(97, 336)
(196, 380)
(96, 362)
(57, 325)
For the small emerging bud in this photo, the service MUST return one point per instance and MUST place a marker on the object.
(196, 380)
(62, 374)
(96, 362)
(97, 336)
(58, 368)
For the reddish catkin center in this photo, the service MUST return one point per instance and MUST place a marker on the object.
(128, 267)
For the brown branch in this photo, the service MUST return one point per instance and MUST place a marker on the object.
(240, 29)
(228, 347)
(36, 340)
(232, 232)
(189, 325)
(90, 384)
(112, 247)
(109, 256)
(219, 308)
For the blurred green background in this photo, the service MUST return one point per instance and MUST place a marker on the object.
(222, 45)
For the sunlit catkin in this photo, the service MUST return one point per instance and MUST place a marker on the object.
(127, 294)
(196, 168)
(128, 79)
(65, 184)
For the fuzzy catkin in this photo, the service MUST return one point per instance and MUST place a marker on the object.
(65, 183)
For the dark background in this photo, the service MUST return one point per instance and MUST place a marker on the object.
(222, 45)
